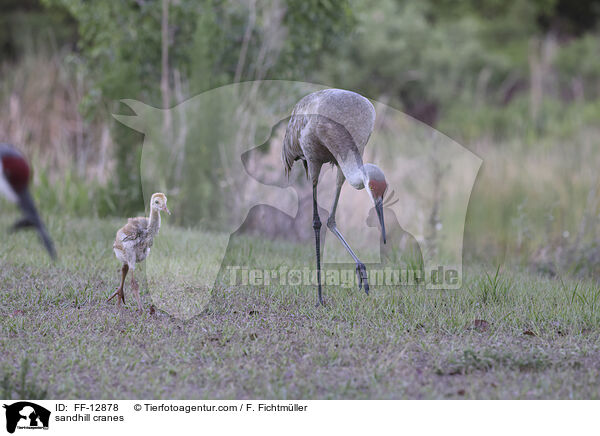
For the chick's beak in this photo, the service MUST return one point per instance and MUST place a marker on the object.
(166, 209)
(379, 209)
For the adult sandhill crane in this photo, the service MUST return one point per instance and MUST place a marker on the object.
(133, 242)
(333, 126)
(14, 185)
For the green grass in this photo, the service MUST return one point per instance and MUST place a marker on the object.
(506, 334)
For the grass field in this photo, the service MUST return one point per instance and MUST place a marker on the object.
(507, 335)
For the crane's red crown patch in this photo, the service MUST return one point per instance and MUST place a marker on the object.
(17, 172)
(378, 188)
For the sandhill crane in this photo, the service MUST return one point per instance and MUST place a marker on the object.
(133, 242)
(334, 126)
(14, 185)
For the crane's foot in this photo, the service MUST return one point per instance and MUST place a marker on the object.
(320, 301)
(361, 272)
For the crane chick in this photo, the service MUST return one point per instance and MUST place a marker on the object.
(133, 242)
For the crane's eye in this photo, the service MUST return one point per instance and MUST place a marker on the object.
(156, 202)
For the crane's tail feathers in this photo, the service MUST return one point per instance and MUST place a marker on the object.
(290, 150)
(287, 159)
(288, 167)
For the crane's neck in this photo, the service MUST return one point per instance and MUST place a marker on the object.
(154, 223)
(352, 166)
(356, 177)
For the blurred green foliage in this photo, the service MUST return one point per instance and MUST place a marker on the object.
(210, 43)
(434, 59)
(26, 26)
(517, 75)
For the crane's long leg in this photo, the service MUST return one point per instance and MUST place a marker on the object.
(361, 270)
(119, 291)
(317, 229)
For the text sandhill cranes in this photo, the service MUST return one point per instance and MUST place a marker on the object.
(334, 126)
(14, 183)
(133, 243)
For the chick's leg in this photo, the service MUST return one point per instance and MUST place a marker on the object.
(119, 292)
(136, 291)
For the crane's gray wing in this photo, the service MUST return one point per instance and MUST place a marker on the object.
(332, 125)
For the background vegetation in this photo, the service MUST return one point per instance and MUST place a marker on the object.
(517, 82)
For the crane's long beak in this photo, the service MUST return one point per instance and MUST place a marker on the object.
(166, 209)
(379, 209)
(31, 218)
